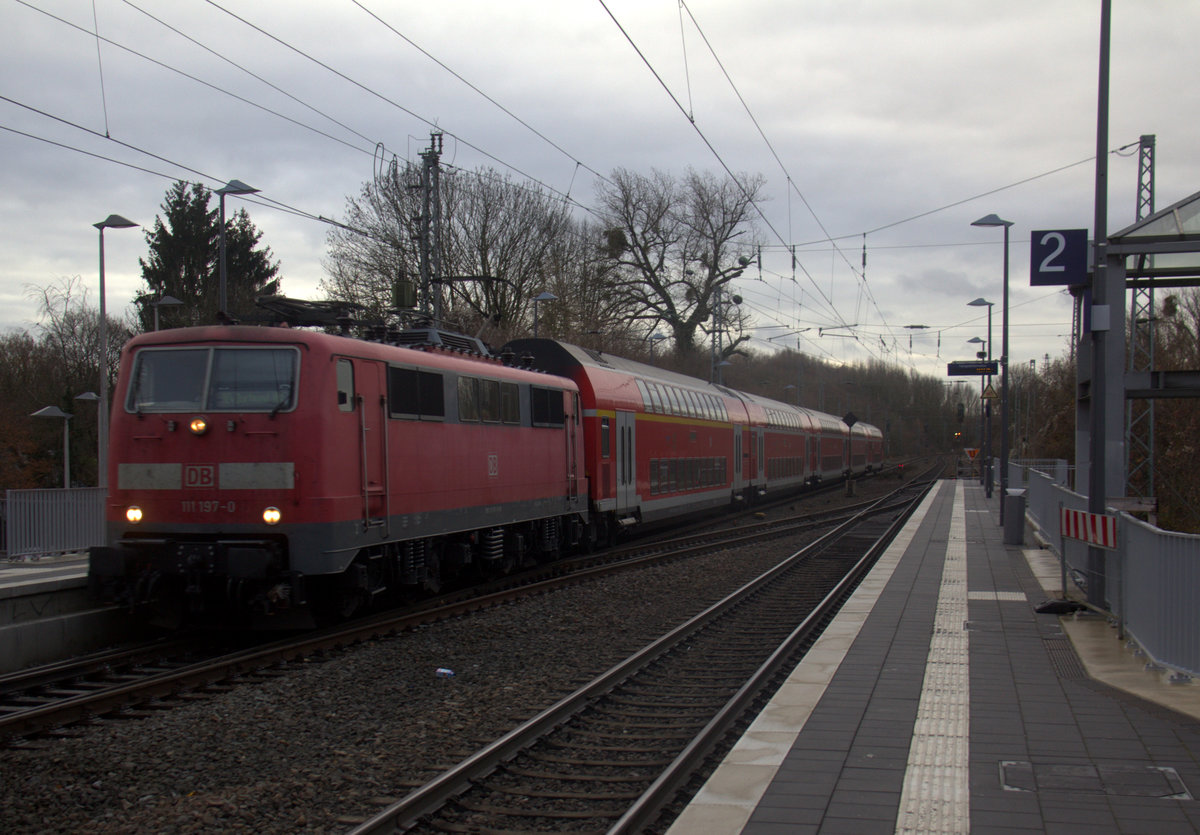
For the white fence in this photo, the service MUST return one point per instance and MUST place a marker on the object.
(1152, 580)
(41, 523)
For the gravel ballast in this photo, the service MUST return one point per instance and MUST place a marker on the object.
(327, 741)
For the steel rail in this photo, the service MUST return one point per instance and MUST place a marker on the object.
(437, 792)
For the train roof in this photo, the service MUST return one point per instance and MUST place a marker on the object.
(564, 359)
(408, 350)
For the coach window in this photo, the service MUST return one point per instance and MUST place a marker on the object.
(673, 396)
(645, 393)
(345, 386)
(468, 399)
(605, 438)
(656, 399)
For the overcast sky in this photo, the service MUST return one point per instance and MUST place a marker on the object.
(860, 115)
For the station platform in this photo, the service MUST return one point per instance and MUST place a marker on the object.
(941, 701)
(47, 615)
(22, 577)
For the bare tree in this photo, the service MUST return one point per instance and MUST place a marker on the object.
(676, 245)
(501, 244)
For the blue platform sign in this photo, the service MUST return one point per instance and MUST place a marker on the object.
(1058, 256)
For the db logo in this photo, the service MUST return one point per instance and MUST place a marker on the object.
(199, 475)
(493, 466)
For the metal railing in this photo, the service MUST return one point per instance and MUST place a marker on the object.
(1152, 579)
(1018, 471)
(40, 523)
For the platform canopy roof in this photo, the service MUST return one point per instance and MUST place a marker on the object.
(1163, 248)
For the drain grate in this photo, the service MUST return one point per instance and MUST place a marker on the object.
(1063, 657)
(1113, 780)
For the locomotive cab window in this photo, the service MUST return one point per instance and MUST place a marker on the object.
(214, 379)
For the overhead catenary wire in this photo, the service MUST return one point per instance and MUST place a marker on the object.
(578, 163)
(194, 78)
(707, 142)
(392, 102)
(247, 71)
(779, 161)
(833, 313)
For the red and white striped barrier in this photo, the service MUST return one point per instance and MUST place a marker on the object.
(1093, 528)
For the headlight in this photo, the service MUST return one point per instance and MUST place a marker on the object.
(133, 514)
(198, 426)
(271, 516)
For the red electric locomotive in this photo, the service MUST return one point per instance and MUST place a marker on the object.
(272, 471)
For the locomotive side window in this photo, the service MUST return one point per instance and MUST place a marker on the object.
(510, 403)
(489, 401)
(214, 379)
(345, 386)
(415, 395)
(433, 395)
(468, 399)
(546, 406)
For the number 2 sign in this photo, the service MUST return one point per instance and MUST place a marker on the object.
(1058, 257)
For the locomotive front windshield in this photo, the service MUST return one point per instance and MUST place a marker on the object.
(213, 379)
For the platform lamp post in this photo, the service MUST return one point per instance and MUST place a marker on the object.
(169, 301)
(545, 296)
(110, 222)
(231, 187)
(92, 397)
(55, 412)
(996, 220)
(652, 339)
(985, 419)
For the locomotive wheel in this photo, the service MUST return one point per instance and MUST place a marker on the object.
(433, 570)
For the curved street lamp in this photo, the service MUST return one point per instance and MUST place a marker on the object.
(161, 301)
(985, 409)
(55, 412)
(110, 222)
(231, 187)
(545, 296)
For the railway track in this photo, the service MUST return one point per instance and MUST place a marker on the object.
(130, 682)
(612, 755)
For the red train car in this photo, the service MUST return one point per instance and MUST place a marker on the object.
(661, 444)
(272, 470)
